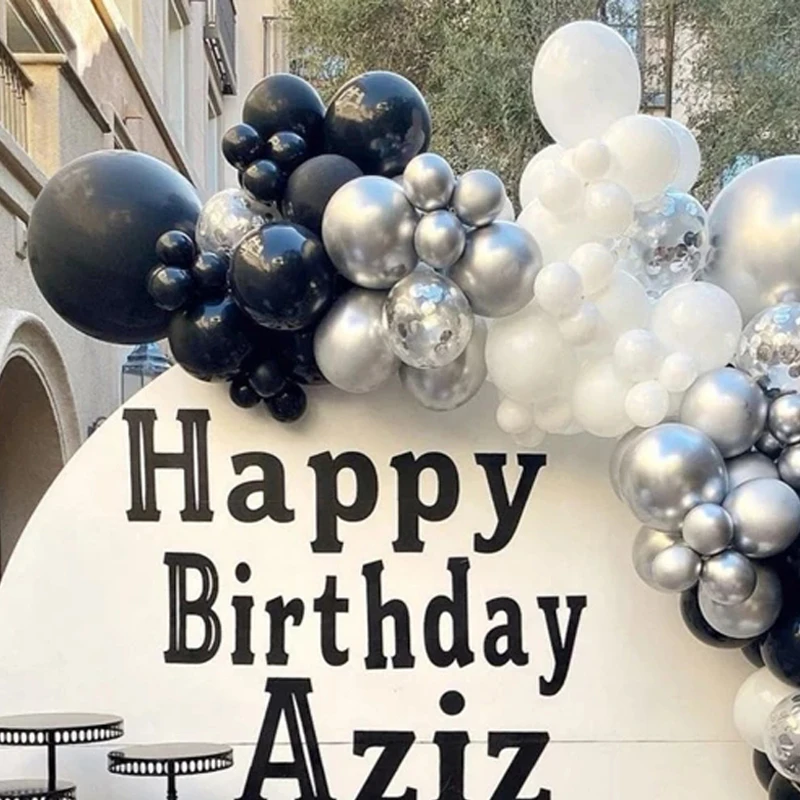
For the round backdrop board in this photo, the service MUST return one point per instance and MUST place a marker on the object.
(376, 602)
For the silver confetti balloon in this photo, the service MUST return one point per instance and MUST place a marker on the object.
(350, 344)
(707, 529)
(479, 197)
(749, 466)
(225, 219)
(755, 238)
(669, 470)
(676, 568)
(446, 388)
(428, 319)
(769, 348)
(647, 545)
(754, 616)
(789, 466)
(766, 517)
(667, 243)
(782, 737)
(498, 269)
(768, 445)
(784, 418)
(729, 407)
(615, 467)
(439, 239)
(428, 182)
(728, 578)
(368, 231)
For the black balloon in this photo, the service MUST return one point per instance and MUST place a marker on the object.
(780, 648)
(265, 181)
(379, 120)
(287, 149)
(210, 273)
(311, 187)
(176, 249)
(781, 789)
(170, 287)
(242, 394)
(92, 238)
(295, 351)
(266, 379)
(281, 276)
(752, 652)
(289, 404)
(763, 768)
(241, 145)
(285, 102)
(700, 629)
(211, 340)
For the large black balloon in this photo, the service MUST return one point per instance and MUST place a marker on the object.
(212, 340)
(379, 120)
(700, 629)
(763, 768)
(92, 239)
(781, 646)
(311, 187)
(285, 102)
(781, 789)
(281, 276)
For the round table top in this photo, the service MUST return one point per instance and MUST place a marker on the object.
(178, 758)
(36, 790)
(60, 728)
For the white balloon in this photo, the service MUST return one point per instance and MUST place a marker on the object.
(595, 264)
(527, 358)
(560, 188)
(598, 400)
(556, 236)
(513, 417)
(591, 159)
(754, 702)
(647, 404)
(553, 416)
(507, 213)
(608, 207)
(582, 326)
(530, 438)
(638, 355)
(558, 289)
(701, 319)
(678, 372)
(529, 182)
(585, 77)
(690, 159)
(622, 306)
(644, 155)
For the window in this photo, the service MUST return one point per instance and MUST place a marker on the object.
(213, 144)
(175, 71)
(131, 11)
(25, 32)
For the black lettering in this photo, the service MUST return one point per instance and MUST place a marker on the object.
(562, 648)
(271, 486)
(530, 747)
(511, 631)
(452, 745)
(377, 611)
(243, 619)
(279, 612)
(396, 745)
(456, 608)
(328, 605)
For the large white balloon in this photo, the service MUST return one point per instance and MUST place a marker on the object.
(533, 172)
(598, 400)
(585, 77)
(608, 207)
(557, 237)
(689, 167)
(754, 702)
(622, 306)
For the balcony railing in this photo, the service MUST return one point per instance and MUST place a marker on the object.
(275, 55)
(14, 97)
(220, 36)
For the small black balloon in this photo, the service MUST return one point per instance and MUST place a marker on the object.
(379, 120)
(170, 287)
(700, 629)
(289, 404)
(780, 648)
(281, 276)
(211, 340)
(287, 149)
(210, 273)
(311, 187)
(242, 394)
(175, 249)
(242, 145)
(285, 102)
(265, 181)
(266, 379)
(752, 652)
(763, 768)
(296, 355)
(782, 789)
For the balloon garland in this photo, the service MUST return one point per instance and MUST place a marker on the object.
(613, 305)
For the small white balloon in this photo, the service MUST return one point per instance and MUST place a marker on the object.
(623, 305)
(755, 701)
(530, 438)
(507, 214)
(678, 372)
(581, 327)
(513, 417)
(689, 158)
(560, 189)
(647, 404)
(595, 264)
(608, 207)
(553, 416)
(638, 355)
(556, 236)
(598, 400)
(591, 159)
(529, 182)
(558, 289)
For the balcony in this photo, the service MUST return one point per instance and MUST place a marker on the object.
(14, 97)
(220, 36)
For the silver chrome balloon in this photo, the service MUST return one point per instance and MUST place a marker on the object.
(755, 238)
(754, 616)
(676, 568)
(428, 182)
(784, 418)
(225, 219)
(479, 197)
(427, 319)
(749, 466)
(707, 529)
(498, 269)
(728, 578)
(769, 347)
(448, 387)
(789, 466)
(669, 470)
(368, 231)
(439, 239)
(769, 445)
(729, 407)
(350, 344)
(615, 467)
(782, 737)
(646, 547)
(766, 517)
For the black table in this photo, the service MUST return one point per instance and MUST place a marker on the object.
(170, 761)
(54, 730)
(36, 790)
